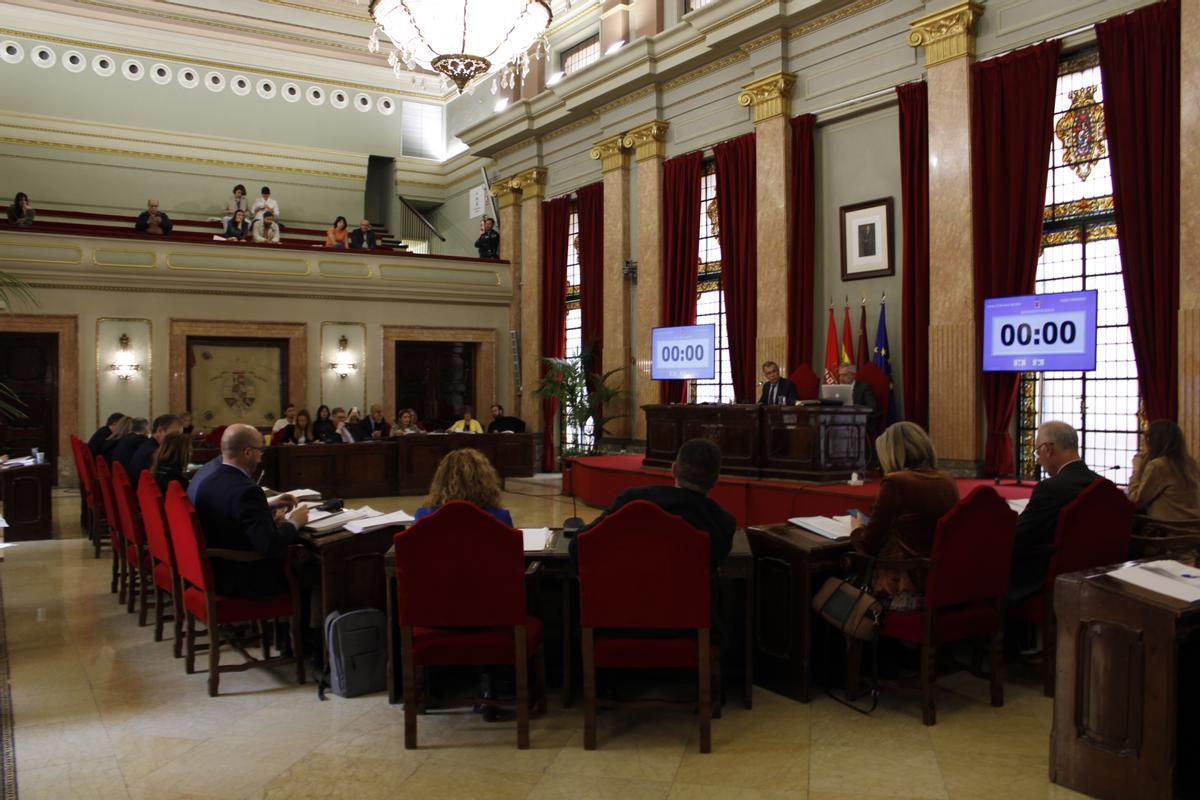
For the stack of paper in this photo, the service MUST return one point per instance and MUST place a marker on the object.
(327, 521)
(829, 527)
(302, 494)
(377, 520)
(1170, 578)
(536, 539)
(24, 461)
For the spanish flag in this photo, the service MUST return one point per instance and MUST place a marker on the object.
(847, 354)
(831, 351)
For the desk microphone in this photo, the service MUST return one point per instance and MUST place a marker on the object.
(573, 523)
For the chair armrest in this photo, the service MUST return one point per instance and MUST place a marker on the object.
(233, 555)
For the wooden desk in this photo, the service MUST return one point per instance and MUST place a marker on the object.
(362, 469)
(26, 495)
(810, 443)
(1126, 694)
(418, 455)
(738, 567)
(789, 565)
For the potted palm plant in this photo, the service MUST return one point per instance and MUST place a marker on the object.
(582, 397)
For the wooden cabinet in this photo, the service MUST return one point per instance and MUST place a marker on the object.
(26, 495)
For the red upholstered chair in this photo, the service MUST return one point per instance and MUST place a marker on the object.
(161, 567)
(623, 585)
(213, 437)
(74, 441)
(807, 384)
(113, 524)
(90, 491)
(134, 537)
(965, 588)
(1093, 531)
(456, 611)
(201, 602)
(879, 382)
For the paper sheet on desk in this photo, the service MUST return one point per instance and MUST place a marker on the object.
(1018, 504)
(378, 520)
(331, 522)
(1169, 578)
(301, 494)
(536, 539)
(829, 527)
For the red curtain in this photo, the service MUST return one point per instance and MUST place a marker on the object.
(738, 234)
(1139, 65)
(590, 209)
(555, 223)
(914, 205)
(802, 258)
(1012, 120)
(680, 251)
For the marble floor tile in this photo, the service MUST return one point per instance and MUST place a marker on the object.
(96, 779)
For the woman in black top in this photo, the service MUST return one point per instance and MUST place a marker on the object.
(122, 430)
(237, 229)
(170, 461)
(323, 427)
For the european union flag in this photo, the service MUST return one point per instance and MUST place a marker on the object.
(882, 359)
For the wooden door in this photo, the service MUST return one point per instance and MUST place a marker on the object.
(435, 378)
(29, 367)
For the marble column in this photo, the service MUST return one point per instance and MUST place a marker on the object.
(508, 209)
(955, 412)
(649, 144)
(647, 17)
(614, 23)
(614, 164)
(532, 185)
(770, 102)
(1189, 227)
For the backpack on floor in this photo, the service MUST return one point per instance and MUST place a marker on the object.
(356, 661)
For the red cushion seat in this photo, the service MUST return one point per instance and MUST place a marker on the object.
(472, 646)
(236, 609)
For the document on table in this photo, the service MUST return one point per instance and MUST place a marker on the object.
(328, 522)
(378, 520)
(829, 527)
(1018, 504)
(536, 539)
(1170, 578)
(303, 494)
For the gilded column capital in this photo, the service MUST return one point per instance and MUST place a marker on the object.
(769, 97)
(503, 194)
(946, 34)
(611, 154)
(648, 140)
(531, 183)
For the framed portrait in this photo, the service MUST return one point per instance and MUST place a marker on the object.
(867, 247)
(236, 380)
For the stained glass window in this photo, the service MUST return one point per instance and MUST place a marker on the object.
(574, 323)
(710, 299)
(1080, 251)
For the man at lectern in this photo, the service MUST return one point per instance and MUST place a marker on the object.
(776, 391)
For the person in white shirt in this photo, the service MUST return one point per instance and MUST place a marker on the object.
(288, 418)
(264, 204)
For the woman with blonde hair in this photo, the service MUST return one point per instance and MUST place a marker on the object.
(913, 495)
(466, 474)
(170, 461)
(122, 429)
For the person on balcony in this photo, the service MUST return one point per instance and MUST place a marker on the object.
(488, 243)
(21, 213)
(153, 221)
(263, 204)
(363, 238)
(238, 228)
(265, 229)
(236, 202)
(338, 236)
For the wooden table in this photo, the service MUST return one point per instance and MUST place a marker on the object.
(26, 495)
(418, 455)
(790, 564)
(1126, 697)
(738, 567)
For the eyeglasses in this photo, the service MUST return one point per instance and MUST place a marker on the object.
(1038, 448)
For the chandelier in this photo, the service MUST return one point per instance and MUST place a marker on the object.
(463, 40)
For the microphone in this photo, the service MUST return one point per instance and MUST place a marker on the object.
(573, 523)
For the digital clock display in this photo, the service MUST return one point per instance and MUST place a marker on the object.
(1040, 332)
(683, 353)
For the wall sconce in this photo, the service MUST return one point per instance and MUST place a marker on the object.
(125, 364)
(343, 364)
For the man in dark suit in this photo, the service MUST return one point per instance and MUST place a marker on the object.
(96, 443)
(503, 424)
(127, 445)
(236, 515)
(363, 238)
(1057, 450)
(488, 243)
(861, 394)
(167, 423)
(374, 426)
(342, 431)
(776, 391)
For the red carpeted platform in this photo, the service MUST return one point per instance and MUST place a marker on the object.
(597, 480)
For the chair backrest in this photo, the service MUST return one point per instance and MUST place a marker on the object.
(879, 382)
(187, 539)
(641, 567)
(154, 520)
(460, 567)
(807, 385)
(77, 457)
(131, 521)
(87, 474)
(104, 480)
(972, 551)
(1093, 530)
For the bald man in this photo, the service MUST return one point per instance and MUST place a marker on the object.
(153, 221)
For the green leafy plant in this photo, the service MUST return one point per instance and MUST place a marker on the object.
(581, 396)
(12, 289)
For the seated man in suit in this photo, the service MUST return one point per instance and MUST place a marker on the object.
(776, 391)
(363, 238)
(96, 443)
(374, 426)
(861, 395)
(164, 424)
(152, 220)
(1057, 448)
(236, 515)
(122, 452)
(502, 424)
(342, 431)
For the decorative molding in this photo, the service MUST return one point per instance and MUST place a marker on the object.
(947, 34)
(484, 340)
(626, 98)
(531, 183)
(569, 128)
(318, 10)
(503, 192)
(611, 153)
(706, 69)
(649, 139)
(834, 17)
(769, 97)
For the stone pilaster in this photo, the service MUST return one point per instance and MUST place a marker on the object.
(648, 142)
(954, 398)
(1189, 226)
(508, 209)
(614, 163)
(532, 185)
(614, 23)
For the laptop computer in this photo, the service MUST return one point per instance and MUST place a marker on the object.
(837, 393)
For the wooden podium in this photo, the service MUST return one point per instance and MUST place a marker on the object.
(809, 443)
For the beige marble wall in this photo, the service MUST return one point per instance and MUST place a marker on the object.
(531, 302)
(1189, 227)
(616, 288)
(773, 154)
(954, 410)
(649, 291)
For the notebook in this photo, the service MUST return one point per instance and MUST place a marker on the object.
(829, 527)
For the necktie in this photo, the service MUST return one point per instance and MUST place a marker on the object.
(774, 392)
